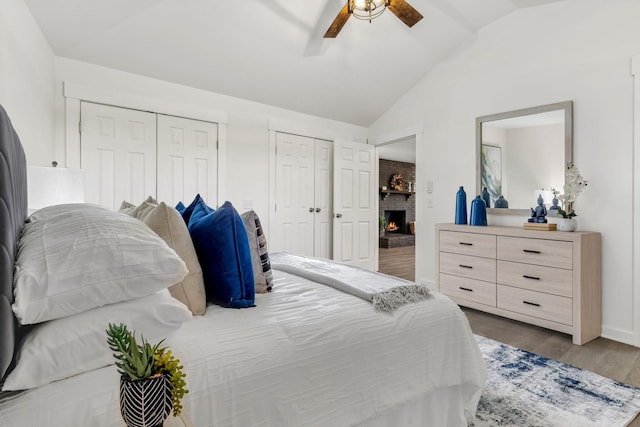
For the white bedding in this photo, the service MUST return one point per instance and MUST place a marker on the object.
(307, 355)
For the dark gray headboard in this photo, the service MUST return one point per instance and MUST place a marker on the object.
(13, 212)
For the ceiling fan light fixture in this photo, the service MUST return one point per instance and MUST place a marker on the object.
(367, 9)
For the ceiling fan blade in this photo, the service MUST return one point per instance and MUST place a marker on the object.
(337, 23)
(405, 12)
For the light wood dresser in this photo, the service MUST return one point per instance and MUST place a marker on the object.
(551, 279)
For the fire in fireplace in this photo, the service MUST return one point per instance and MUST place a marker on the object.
(396, 221)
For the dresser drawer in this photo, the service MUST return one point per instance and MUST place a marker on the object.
(468, 266)
(468, 289)
(550, 253)
(557, 281)
(468, 244)
(544, 306)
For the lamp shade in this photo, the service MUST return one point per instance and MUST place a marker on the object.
(47, 186)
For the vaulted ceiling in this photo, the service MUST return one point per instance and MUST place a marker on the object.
(269, 51)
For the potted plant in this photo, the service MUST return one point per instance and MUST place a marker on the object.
(383, 224)
(151, 378)
(574, 184)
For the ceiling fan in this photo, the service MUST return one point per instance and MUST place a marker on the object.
(370, 9)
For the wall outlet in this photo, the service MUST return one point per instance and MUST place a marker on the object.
(429, 187)
(429, 203)
(247, 204)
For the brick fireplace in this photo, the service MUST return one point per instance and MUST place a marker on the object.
(397, 207)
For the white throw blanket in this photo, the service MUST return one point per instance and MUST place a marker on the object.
(384, 292)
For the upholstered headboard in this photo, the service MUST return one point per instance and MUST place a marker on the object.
(13, 212)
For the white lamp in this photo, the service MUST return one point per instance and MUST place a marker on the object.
(47, 186)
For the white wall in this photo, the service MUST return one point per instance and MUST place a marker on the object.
(572, 50)
(248, 123)
(26, 80)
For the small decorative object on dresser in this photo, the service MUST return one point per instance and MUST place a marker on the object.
(478, 212)
(501, 203)
(461, 206)
(574, 184)
(538, 215)
(486, 197)
(544, 278)
(151, 379)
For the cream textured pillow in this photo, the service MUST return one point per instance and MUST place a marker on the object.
(87, 258)
(169, 225)
(138, 211)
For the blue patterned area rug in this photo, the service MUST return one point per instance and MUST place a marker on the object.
(527, 390)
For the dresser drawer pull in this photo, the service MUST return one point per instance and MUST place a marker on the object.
(465, 266)
(530, 277)
(466, 289)
(465, 243)
(529, 251)
(531, 303)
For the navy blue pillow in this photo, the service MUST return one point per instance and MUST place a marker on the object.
(222, 246)
(187, 211)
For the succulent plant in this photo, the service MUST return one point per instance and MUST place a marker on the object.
(133, 360)
(139, 361)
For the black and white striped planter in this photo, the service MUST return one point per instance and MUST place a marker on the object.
(145, 403)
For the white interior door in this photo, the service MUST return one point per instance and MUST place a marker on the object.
(187, 160)
(118, 154)
(293, 225)
(323, 236)
(355, 225)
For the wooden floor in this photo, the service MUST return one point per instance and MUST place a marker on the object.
(399, 262)
(608, 358)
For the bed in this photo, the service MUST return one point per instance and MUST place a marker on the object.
(307, 354)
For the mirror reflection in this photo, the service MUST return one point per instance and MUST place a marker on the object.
(521, 154)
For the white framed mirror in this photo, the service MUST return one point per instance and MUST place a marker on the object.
(522, 153)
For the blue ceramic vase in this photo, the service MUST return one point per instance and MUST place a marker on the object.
(461, 206)
(486, 197)
(478, 212)
(501, 202)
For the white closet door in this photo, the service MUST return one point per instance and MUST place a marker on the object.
(187, 160)
(323, 181)
(355, 225)
(118, 154)
(295, 202)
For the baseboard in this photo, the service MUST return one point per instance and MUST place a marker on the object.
(428, 283)
(621, 335)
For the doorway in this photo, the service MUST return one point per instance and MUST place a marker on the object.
(397, 207)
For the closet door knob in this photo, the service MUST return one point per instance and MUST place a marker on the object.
(339, 215)
(318, 209)
(311, 210)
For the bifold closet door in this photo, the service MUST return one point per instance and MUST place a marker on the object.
(303, 210)
(187, 160)
(118, 154)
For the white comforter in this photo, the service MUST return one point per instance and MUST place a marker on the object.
(307, 355)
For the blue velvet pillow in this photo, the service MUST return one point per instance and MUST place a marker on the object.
(222, 246)
(188, 210)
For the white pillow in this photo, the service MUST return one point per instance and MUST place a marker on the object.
(72, 345)
(53, 210)
(81, 259)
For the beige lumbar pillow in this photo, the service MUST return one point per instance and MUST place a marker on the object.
(169, 225)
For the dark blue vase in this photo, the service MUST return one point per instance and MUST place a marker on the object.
(486, 197)
(478, 212)
(461, 206)
(501, 202)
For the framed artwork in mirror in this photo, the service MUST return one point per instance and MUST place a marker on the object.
(492, 170)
